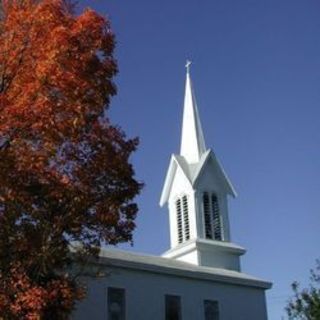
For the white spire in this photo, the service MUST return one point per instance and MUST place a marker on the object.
(192, 140)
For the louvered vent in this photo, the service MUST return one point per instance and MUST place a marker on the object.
(216, 218)
(179, 220)
(212, 219)
(207, 216)
(186, 217)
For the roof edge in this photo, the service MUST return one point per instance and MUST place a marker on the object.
(180, 269)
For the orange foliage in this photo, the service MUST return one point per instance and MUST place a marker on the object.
(22, 298)
(65, 173)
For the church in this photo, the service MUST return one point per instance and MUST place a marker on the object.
(199, 277)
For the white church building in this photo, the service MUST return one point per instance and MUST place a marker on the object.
(199, 277)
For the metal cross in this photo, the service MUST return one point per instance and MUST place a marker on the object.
(188, 63)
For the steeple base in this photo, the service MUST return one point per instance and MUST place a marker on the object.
(208, 253)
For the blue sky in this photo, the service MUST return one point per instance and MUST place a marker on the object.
(256, 74)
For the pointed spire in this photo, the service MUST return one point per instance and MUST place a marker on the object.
(192, 140)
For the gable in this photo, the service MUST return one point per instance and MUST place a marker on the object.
(178, 171)
(208, 170)
(180, 184)
(211, 173)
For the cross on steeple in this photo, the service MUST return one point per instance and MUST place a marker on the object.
(188, 63)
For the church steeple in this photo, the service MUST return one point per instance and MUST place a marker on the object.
(196, 190)
(192, 139)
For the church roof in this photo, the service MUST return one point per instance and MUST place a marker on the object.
(171, 267)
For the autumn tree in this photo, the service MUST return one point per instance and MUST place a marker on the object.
(305, 303)
(65, 174)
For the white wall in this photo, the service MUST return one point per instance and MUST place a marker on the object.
(145, 293)
(219, 259)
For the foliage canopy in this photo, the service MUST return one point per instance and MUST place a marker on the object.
(65, 174)
(305, 304)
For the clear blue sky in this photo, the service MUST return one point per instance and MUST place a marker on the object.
(256, 73)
